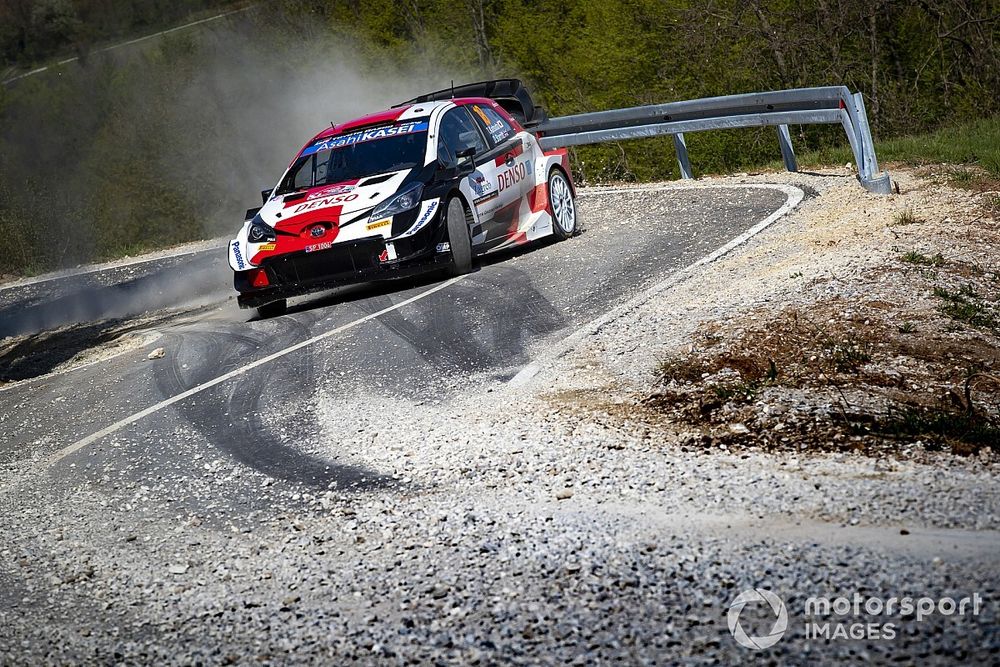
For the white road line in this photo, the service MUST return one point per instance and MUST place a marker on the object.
(94, 437)
(128, 43)
(795, 196)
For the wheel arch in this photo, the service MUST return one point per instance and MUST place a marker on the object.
(456, 191)
(556, 166)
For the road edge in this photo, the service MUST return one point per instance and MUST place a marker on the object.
(552, 355)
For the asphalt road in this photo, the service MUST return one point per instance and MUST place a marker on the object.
(196, 434)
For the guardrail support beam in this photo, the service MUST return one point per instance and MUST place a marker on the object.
(680, 146)
(871, 179)
(787, 152)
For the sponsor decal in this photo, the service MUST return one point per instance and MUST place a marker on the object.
(442, 247)
(379, 224)
(479, 184)
(361, 136)
(329, 192)
(497, 128)
(238, 256)
(388, 254)
(479, 112)
(264, 247)
(479, 201)
(512, 176)
(498, 131)
(325, 202)
(425, 218)
(319, 246)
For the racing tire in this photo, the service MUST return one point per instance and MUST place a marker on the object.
(562, 205)
(273, 309)
(457, 221)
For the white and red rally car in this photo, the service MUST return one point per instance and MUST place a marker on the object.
(427, 184)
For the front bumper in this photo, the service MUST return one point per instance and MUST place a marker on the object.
(347, 263)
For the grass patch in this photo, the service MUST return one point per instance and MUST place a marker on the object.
(991, 203)
(962, 177)
(920, 259)
(906, 328)
(974, 143)
(849, 356)
(680, 369)
(906, 217)
(965, 306)
(965, 433)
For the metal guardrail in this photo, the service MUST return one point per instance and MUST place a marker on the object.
(800, 106)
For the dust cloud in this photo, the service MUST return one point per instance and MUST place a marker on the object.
(265, 103)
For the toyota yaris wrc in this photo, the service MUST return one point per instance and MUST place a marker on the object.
(427, 184)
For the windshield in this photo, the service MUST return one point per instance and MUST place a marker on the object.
(358, 154)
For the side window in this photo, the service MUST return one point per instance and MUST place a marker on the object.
(458, 133)
(492, 123)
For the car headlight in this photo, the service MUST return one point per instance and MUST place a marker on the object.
(260, 231)
(404, 201)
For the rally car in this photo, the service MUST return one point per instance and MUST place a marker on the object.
(428, 184)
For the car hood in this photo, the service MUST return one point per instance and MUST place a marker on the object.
(336, 203)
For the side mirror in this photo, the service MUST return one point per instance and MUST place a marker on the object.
(466, 165)
(265, 195)
(251, 212)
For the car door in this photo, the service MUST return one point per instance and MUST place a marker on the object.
(458, 133)
(512, 168)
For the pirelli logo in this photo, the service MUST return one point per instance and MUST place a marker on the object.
(379, 224)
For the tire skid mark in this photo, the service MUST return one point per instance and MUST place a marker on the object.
(252, 438)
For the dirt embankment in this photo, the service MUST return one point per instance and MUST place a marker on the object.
(859, 323)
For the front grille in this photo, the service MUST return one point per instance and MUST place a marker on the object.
(341, 259)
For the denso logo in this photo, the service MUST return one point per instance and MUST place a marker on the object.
(323, 203)
(238, 256)
(513, 175)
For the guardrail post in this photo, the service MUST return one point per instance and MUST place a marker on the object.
(787, 152)
(870, 179)
(865, 134)
(680, 146)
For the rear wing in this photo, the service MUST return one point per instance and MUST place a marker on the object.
(508, 93)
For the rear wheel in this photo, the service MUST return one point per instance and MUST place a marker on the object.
(562, 204)
(457, 222)
(273, 309)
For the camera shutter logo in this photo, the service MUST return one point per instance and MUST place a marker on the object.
(777, 630)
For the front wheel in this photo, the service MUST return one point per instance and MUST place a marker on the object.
(458, 237)
(273, 309)
(562, 205)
